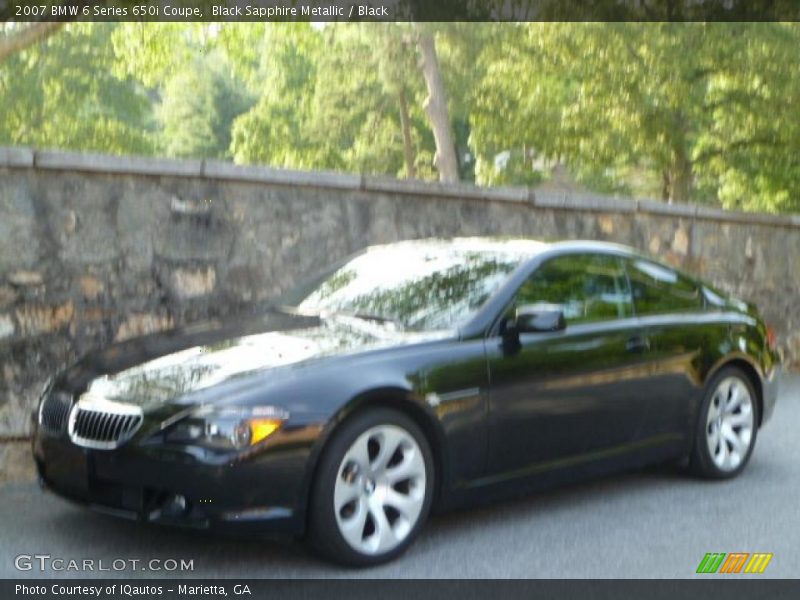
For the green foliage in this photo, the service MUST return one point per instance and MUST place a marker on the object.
(700, 112)
(273, 132)
(152, 52)
(196, 90)
(63, 94)
(330, 100)
(705, 108)
(750, 151)
(358, 117)
(198, 107)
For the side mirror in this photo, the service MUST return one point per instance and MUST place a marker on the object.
(540, 318)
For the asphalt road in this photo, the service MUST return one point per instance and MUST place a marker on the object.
(652, 524)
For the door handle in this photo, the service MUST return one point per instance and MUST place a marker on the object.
(638, 343)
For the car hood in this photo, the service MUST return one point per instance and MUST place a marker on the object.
(156, 369)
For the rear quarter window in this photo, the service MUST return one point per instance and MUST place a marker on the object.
(658, 289)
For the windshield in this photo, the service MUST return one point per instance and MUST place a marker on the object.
(419, 286)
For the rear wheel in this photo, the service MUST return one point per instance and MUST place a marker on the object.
(727, 428)
(373, 490)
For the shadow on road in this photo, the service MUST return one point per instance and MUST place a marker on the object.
(106, 536)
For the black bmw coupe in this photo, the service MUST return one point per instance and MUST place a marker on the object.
(410, 376)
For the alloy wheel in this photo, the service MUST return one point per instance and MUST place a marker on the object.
(380, 489)
(729, 424)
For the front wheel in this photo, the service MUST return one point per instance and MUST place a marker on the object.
(373, 489)
(727, 428)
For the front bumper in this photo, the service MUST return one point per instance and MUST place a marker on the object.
(260, 493)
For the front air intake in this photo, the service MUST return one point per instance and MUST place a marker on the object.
(103, 425)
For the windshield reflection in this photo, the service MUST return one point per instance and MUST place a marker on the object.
(419, 286)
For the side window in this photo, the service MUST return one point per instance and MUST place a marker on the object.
(658, 289)
(588, 287)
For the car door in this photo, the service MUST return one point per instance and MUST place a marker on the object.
(571, 393)
(671, 310)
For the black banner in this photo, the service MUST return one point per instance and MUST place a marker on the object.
(400, 10)
(352, 589)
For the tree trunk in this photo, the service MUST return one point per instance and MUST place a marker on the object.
(681, 179)
(30, 35)
(436, 109)
(408, 147)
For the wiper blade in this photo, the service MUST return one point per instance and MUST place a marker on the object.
(370, 317)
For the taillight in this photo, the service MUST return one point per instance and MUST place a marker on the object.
(772, 339)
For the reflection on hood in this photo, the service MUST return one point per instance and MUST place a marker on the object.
(169, 377)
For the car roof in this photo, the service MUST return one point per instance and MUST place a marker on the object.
(512, 245)
(593, 246)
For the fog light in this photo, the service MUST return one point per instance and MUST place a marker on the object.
(176, 505)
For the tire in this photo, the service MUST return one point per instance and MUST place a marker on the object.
(727, 426)
(373, 489)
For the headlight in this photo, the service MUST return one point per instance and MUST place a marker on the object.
(227, 427)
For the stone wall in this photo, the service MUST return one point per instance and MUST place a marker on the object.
(99, 248)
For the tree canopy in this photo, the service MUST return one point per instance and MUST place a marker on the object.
(702, 112)
(692, 111)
